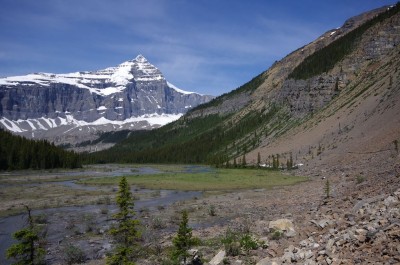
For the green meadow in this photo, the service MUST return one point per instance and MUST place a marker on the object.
(213, 180)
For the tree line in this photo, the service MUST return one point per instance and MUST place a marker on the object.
(17, 153)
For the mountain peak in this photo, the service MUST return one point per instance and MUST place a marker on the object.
(140, 58)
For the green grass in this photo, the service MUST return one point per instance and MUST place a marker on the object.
(220, 179)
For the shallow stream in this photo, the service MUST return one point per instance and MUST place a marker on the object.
(66, 222)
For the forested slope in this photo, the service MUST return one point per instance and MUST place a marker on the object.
(17, 152)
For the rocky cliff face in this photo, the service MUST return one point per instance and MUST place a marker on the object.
(307, 96)
(133, 95)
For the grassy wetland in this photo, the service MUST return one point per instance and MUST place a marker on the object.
(208, 179)
(94, 185)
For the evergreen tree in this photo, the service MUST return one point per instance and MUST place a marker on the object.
(327, 188)
(273, 162)
(183, 240)
(277, 160)
(28, 251)
(17, 152)
(244, 161)
(289, 162)
(125, 233)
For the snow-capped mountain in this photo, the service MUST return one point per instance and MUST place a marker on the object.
(132, 95)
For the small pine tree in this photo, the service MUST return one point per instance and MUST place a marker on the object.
(27, 251)
(125, 233)
(273, 162)
(277, 160)
(289, 162)
(327, 188)
(183, 240)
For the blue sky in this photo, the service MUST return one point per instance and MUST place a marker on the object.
(206, 46)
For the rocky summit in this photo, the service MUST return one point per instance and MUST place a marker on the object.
(75, 107)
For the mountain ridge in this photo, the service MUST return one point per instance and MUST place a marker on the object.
(257, 117)
(73, 107)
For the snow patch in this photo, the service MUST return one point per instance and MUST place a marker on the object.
(10, 125)
(178, 89)
(69, 120)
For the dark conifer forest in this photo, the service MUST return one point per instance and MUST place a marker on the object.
(17, 152)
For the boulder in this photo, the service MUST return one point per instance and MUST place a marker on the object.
(268, 261)
(217, 260)
(284, 225)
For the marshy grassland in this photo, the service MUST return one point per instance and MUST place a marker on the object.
(42, 192)
(219, 179)
(97, 184)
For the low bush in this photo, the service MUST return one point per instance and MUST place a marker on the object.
(73, 255)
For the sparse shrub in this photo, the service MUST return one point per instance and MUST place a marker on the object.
(248, 242)
(90, 223)
(212, 211)
(232, 249)
(104, 200)
(277, 234)
(226, 261)
(231, 243)
(234, 242)
(327, 188)
(157, 223)
(360, 179)
(156, 193)
(73, 254)
(144, 211)
(104, 210)
(40, 219)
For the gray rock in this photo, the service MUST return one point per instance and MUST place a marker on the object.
(329, 248)
(217, 259)
(284, 225)
(390, 201)
(268, 261)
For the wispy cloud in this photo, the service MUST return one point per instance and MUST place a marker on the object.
(205, 46)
